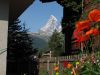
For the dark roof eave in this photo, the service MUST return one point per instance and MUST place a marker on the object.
(44, 1)
(17, 7)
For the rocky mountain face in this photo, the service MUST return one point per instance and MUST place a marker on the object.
(50, 26)
(42, 36)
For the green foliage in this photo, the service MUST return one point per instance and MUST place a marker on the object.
(19, 42)
(56, 43)
(72, 12)
(90, 69)
(72, 4)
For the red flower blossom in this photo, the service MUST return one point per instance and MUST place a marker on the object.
(76, 34)
(65, 64)
(99, 32)
(94, 15)
(98, 20)
(93, 32)
(83, 25)
(89, 32)
(82, 38)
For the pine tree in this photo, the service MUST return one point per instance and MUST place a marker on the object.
(19, 43)
(20, 48)
(56, 43)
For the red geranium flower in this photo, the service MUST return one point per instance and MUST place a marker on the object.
(82, 38)
(75, 34)
(83, 25)
(89, 32)
(93, 32)
(94, 15)
(99, 32)
(65, 64)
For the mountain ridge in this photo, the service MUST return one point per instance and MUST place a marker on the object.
(42, 36)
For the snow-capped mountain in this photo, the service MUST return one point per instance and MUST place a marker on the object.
(50, 26)
(41, 37)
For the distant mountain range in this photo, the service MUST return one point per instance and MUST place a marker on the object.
(42, 36)
(39, 41)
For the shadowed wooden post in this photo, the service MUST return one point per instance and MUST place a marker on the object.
(48, 64)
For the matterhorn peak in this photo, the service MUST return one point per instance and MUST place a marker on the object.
(53, 17)
(51, 25)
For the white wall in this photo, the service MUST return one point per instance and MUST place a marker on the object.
(3, 35)
(3, 63)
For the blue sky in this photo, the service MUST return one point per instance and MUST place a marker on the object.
(38, 14)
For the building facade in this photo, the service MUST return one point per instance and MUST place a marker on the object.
(7, 15)
(4, 10)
